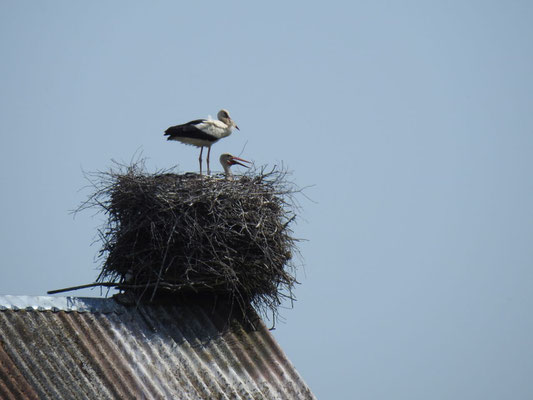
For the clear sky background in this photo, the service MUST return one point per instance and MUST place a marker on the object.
(412, 119)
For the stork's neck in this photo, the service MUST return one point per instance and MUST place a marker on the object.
(227, 171)
(227, 130)
(228, 123)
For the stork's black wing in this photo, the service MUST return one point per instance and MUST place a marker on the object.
(189, 130)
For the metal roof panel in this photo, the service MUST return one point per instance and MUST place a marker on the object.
(70, 348)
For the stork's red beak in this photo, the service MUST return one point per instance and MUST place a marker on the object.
(235, 160)
(232, 123)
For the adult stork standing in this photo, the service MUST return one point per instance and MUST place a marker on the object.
(227, 160)
(203, 133)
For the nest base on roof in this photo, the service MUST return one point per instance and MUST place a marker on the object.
(170, 233)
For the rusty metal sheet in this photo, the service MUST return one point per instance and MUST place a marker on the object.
(80, 348)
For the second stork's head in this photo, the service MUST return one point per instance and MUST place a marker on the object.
(227, 160)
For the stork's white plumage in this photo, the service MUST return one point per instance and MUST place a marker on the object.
(227, 160)
(203, 133)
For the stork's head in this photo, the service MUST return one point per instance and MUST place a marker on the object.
(227, 160)
(223, 115)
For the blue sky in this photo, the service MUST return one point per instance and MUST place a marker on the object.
(412, 120)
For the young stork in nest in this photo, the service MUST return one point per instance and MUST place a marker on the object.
(227, 160)
(203, 133)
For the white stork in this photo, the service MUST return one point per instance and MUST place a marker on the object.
(203, 133)
(227, 160)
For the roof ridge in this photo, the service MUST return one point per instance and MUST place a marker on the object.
(60, 303)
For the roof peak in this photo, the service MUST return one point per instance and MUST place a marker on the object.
(60, 303)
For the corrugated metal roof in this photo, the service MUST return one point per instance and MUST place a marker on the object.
(80, 348)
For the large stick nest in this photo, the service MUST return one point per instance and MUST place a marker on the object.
(167, 232)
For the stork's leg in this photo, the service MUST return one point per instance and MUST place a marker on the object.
(208, 152)
(200, 159)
